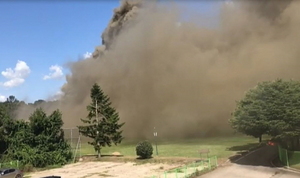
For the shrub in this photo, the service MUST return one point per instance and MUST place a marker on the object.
(144, 149)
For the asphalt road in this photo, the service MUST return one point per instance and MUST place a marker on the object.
(256, 164)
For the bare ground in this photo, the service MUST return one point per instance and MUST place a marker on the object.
(254, 164)
(106, 169)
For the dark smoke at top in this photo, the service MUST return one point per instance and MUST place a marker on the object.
(122, 15)
(184, 79)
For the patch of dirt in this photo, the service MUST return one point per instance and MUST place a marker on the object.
(107, 169)
(116, 158)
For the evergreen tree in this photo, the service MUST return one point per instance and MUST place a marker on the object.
(102, 123)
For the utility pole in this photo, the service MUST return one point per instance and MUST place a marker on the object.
(72, 139)
(96, 115)
(155, 135)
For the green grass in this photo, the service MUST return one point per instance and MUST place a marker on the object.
(296, 166)
(222, 147)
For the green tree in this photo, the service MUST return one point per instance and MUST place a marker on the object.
(11, 105)
(38, 102)
(39, 142)
(249, 116)
(3, 124)
(49, 140)
(273, 108)
(102, 123)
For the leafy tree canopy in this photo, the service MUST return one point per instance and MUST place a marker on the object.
(273, 108)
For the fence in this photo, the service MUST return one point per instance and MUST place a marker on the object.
(72, 135)
(289, 158)
(14, 164)
(190, 169)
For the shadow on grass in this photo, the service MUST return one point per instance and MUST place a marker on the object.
(103, 155)
(140, 158)
(245, 147)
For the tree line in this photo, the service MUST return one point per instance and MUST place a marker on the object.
(270, 108)
(39, 140)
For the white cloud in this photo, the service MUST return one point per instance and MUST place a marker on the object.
(14, 82)
(17, 75)
(2, 98)
(56, 73)
(87, 55)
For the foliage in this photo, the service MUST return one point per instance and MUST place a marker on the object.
(38, 102)
(144, 149)
(249, 116)
(7, 114)
(3, 124)
(11, 105)
(39, 142)
(102, 121)
(273, 108)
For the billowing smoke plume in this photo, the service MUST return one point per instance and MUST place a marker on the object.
(184, 80)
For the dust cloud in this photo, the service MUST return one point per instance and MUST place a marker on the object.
(184, 79)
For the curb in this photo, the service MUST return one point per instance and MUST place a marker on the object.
(284, 168)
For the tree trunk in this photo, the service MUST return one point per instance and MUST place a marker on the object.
(99, 154)
(260, 138)
(297, 143)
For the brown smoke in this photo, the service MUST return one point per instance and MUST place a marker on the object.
(184, 80)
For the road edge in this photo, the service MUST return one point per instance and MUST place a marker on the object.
(285, 168)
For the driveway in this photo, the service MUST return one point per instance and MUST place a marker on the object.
(256, 164)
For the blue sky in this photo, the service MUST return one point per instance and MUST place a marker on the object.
(39, 35)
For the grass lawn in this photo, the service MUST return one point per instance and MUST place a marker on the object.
(297, 166)
(222, 147)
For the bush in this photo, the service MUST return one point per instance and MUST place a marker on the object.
(144, 149)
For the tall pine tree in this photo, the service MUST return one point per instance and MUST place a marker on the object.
(102, 123)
